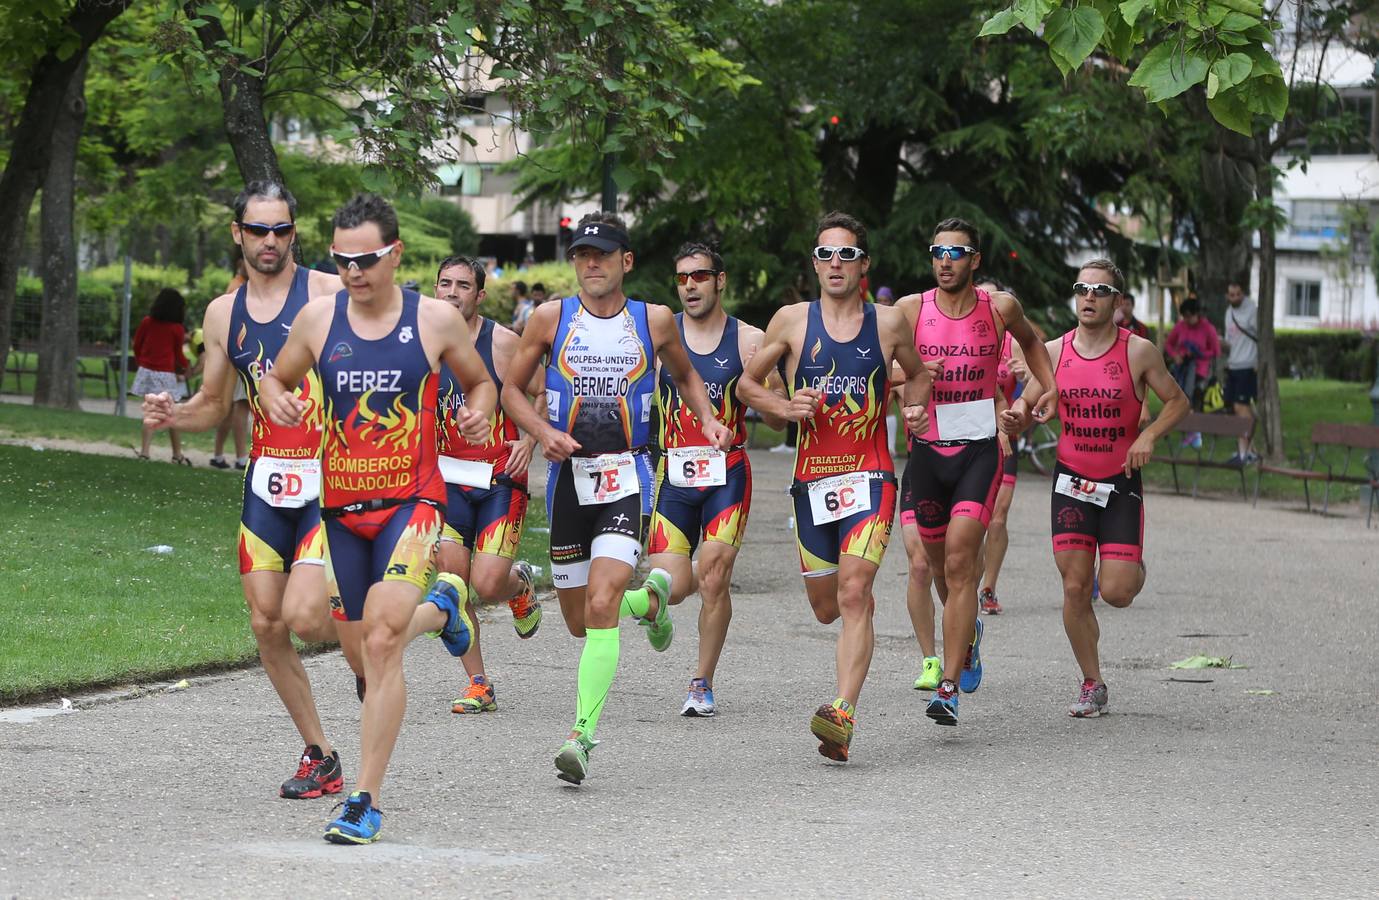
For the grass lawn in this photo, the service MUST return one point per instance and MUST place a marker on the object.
(21, 421)
(96, 383)
(86, 604)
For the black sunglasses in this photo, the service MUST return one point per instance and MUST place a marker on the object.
(361, 261)
(1100, 291)
(259, 229)
(698, 276)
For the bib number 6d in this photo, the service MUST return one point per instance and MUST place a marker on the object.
(282, 484)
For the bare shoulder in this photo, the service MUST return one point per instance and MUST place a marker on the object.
(216, 320)
(1006, 305)
(748, 335)
(1142, 350)
(435, 313)
(789, 317)
(659, 315)
(318, 282)
(909, 302)
(890, 317)
(504, 338)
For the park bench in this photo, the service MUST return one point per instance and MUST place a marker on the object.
(24, 361)
(1212, 427)
(1314, 464)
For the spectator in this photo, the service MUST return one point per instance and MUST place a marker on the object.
(538, 294)
(1242, 338)
(1125, 314)
(162, 364)
(1191, 347)
(885, 296)
(521, 306)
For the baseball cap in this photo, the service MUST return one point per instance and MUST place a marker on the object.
(601, 235)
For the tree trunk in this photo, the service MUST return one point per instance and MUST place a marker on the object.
(241, 101)
(1270, 425)
(1229, 176)
(58, 384)
(31, 138)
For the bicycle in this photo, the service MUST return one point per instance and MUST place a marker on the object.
(1040, 445)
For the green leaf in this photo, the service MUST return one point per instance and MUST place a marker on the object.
(1206, 662)
(1229, 109)
(1031, 13)
(1165, 73)
(1131, 9)
(1072, 35)
(1227, 72)
(1236, 21)
(1000, 23)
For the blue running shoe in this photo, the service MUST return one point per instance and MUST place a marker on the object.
(450, 595)
(699, 703)
(971, 677)
(943, 708)
(360, 823)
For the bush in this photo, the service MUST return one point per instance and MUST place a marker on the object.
(1323, 353)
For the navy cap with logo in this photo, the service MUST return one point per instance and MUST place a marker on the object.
(602, 235)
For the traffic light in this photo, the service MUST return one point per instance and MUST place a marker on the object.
(564, 235)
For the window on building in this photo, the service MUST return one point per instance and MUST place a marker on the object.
(1351, 107)
(1315, 218)
(1305, 299)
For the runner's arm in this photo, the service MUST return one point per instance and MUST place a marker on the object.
(505, 341)
(295, 359)
(671, 353)
(1016, 420)
(919, 382)
(522, 375)
(1045, 406)
(457, 352)
(775, 343)
(748, 342)
(1146, 358)
(213, 400)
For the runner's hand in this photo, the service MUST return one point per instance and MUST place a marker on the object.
(520, 456)
(158, 410)
(803, 405)
(1017, 367)
(557, 445)
(1139, 454)
(935, 367)
(719, 435)
(916, 418)
(473, 425)
(1004, 441)
(1014, 419)
(287, 410)
(1046, 407)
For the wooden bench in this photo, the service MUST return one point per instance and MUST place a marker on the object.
(1314, 464)
(1212, 427)
(25, 362)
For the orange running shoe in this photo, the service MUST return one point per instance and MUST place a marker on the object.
(832, 725)
(477, 698)
(526, 609)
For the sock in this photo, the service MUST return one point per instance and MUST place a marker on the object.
(635, 603)
(597, 666)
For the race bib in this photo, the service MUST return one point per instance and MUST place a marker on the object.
(974, 420)
(286, 483)
(1097, 492)
(696, 467)
(831, 499)
(603, 479)
(466, 472)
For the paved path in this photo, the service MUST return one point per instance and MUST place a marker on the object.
(1189, 789)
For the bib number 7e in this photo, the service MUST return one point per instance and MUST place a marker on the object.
(603, 479)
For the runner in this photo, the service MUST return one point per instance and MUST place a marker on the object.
(280, 561)
(486, 486)
(378, 348)
(600, 386)
(703, 494)
(838, 351)
(955, 463)
(1010, 374)
(1097, 495)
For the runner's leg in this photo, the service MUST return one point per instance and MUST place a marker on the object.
(919, 601)
(963, 540)
(716, 561)
(263, 592)
(857, 640)
(388, 609)
(1079, 616)
(997, 538)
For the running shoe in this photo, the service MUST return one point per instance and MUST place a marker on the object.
(572, 762)
(477, 698)
(526, 609)
(317, 774)
(832, 724)
(359, 687)
(360, 823)
(932, 675)
(943, 708)
(990, 606)
(1092, 699)
(661, 631)
(971, 677)
(1236, 461)
(699, 703)
(450, 595)
(219, 462)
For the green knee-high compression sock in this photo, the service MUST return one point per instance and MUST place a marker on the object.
(635, 604)
(597, 666)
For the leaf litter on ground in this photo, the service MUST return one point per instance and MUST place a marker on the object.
(1206, 662)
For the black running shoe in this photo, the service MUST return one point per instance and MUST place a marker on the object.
(317, 774)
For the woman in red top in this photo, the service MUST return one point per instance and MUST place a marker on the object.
(162, 364)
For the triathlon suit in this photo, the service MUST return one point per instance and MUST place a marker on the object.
(484, 506)
(955, 466)
(844, 485)
(382, 496)
(600, 387)
(280, 519)
(700, 489)
(1094, 503)
(1011, 388)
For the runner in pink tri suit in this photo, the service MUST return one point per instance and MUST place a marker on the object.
(1097, 498)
